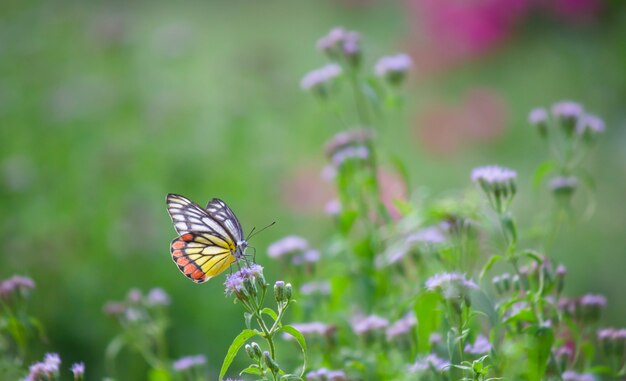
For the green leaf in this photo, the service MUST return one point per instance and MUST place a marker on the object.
(252, 369)
(237, 343)
(492, 261)
(534, 255)
(300, 339)
(159, 374)
(270, 312)
(542, 171)
(538, 344)
(428, 317)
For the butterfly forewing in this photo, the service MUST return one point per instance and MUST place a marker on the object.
(221, 212)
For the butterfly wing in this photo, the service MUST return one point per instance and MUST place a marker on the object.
(200, 256)
(222, 213)
(206, 245)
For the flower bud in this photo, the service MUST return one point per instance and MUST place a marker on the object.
(288, 291)
(256, 350)
(538, 118)
(250, 287)
(567, 114)
(563, 186)
(270, 363)
(250, 352)
(279, 291)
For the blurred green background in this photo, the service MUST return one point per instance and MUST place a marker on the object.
(105, 107)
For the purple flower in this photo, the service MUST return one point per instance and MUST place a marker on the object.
(309, 256)
(78, 369)
(333, 207)
(318, 80)
(350, 153)
(567, 110)
(236, 283)
(563, 184)
(16, 285)
(287, 246)
(134, 296)
(312, 329)
(430, 362)
(451, 286)
(570, 375)
(369, 323)
(493, 175)
(321, 287)
(593, 300)
(324, 374)
(567, 113)
(589, 127)
(48, 369)
(538, 116)
(481, 346)
(354, 137)
(332, 40)
(188, 362)
(341, 43)
(393, 68)
(401, 327)
(158, 297)
(429, 235)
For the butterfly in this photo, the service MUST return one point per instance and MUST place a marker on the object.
(209, 240)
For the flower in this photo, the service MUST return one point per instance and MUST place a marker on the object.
(310, 329)
(538, 118)
(563, 185)
(321, 287)
(134, 296)
(243, 283)
(428, 235)
(591, 305)
(567, 113)
(287, 246)
(430, 362)
(401, 327)
(114, 308)
(188, 362)
(16, 285)
(48, 369)
(570, 375)
(481, 346)
(333, 207)
(493, 175)
(393, 68)
(78, 369)
(341, 140)
(350, 153)
(340, 42)
(158, 297)
(369, 323)
(320, 79)
(324, 374)
(589, 127)
(450, 285)
(498, 183)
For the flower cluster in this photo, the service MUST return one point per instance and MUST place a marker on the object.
(48, 369)
(15, 287)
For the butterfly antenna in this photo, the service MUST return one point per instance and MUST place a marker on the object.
(252, 233)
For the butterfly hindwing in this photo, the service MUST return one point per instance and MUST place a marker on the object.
(199, 256)
(187, 217)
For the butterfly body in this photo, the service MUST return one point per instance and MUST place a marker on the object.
(209, 240)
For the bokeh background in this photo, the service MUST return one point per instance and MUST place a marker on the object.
(105, 107)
